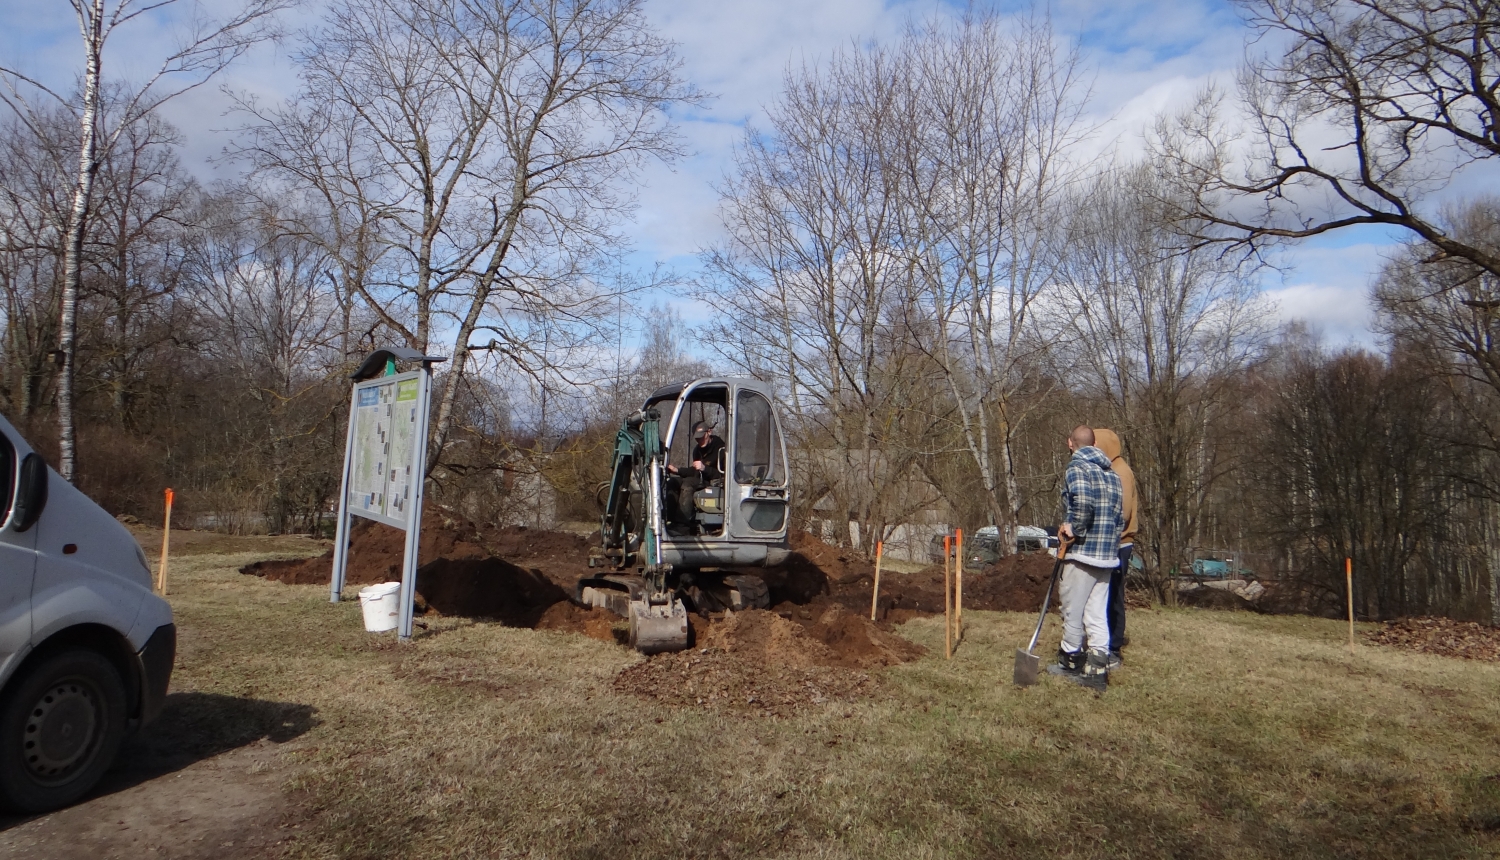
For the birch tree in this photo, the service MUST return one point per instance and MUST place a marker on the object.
(205, 45)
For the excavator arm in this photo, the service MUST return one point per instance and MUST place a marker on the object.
(630, 530)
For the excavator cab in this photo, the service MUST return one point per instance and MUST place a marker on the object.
(741, 497)
(680, 535)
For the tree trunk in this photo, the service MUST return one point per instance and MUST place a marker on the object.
(88, 164)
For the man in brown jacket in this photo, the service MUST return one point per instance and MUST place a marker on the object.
(1109, 442)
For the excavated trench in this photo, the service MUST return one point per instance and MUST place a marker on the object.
(814, 644)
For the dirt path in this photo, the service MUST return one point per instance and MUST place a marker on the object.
(227, 806)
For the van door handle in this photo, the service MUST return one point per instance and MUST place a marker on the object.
(70, 548)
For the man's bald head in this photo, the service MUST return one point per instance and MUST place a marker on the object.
(1081, 437)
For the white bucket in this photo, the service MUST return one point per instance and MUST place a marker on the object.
(381, 606)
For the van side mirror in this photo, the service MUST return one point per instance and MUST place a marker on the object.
(31, 495)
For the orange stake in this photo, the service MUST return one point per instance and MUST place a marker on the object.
(958, 587)
(166, 534)
(1349, 589)
(947, 595)
(875, 595)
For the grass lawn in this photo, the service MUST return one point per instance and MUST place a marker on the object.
(1226, 735)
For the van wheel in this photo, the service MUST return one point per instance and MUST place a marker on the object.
(59, 730)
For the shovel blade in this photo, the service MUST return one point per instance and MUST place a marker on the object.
(1027, 665)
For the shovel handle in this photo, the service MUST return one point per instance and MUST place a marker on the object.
(1062, 551)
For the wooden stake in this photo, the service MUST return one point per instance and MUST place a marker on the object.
(1349, 589)
(947, 594)
(875, 595)
(958, 587)
(166, 534)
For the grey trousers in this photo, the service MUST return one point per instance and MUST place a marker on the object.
(1084, 592)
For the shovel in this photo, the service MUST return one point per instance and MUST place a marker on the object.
(1028, 663)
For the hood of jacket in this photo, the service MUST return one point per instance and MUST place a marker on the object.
(1107, 441)
(1091, 454)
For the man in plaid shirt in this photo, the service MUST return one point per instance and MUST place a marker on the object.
(1092, 521)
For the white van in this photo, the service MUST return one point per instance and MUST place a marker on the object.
(86, 647)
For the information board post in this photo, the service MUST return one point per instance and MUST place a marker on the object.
(341, 527)
(414, 530)
(385, 463)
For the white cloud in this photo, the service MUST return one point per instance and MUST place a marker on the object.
(1327, 286)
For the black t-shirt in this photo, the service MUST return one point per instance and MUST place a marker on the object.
(709, 454)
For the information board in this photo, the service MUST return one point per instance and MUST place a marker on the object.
(384, 449)
(385, 462)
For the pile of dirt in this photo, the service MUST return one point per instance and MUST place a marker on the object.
(376, 550)
(512, 573)
(722, 680)
(834, 637)
(1204, 597)
(598, 624)
(1442, 636)
(763, 662)
(1014, 584)
(811, 569)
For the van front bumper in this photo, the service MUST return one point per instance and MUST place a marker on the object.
(156, 670)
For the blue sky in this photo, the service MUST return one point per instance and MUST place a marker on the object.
(1144, 56)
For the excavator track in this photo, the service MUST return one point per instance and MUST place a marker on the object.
(747, 591)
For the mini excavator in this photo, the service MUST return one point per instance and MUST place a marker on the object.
(670, 550)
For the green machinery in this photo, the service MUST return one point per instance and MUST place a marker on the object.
(669, 551)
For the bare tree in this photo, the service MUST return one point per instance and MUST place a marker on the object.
(33, 182)
(892, 234)
(493, 141)
(992, 113)
(811, 286)
(1160, 335)
(1356, 458)
(1371, 106)
(130, 312)
(1450, 307)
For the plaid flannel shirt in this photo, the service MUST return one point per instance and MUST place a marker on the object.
(1092, 507)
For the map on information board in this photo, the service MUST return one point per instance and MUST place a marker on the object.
(384, 447)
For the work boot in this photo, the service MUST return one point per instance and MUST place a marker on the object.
(1096, 671)
(1069, 663)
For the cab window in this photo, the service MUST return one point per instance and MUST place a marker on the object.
(757, 447)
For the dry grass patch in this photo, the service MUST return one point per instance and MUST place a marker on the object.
(1225, 736)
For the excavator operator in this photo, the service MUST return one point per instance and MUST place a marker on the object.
(707, 452)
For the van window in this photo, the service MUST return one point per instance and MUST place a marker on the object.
(7, 475)
(757, 448)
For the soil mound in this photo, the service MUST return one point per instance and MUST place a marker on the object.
(375, 551)
(834, 637)
(510, 573)
(1442, 636)
(1014, 584)
(723, 680)
(764, 637)
(857, 642)
(810, 569)
(598, 624)
(761, 662)
(1204, 597)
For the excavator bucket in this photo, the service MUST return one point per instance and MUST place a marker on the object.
(658, 628)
